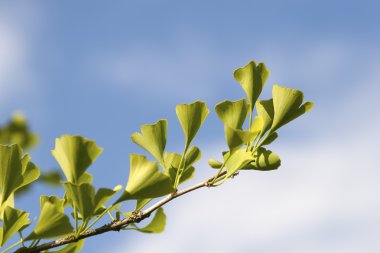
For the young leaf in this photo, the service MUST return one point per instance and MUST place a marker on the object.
(287, 106)
(153, 139)
(192, 155)
(14, 220)
(265, 111)
(145, 180)
(264, 160)
(236, 138)
(52, 221)
(215, 164)
(157, 225)
(172, 163)
(15, 172)
(103, 195)
(232, 113)
(237, 161)
(252, 78)
(82, 197)
(75, 154)
(191, 118)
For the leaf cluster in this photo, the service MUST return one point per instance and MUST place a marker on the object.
(250, 125)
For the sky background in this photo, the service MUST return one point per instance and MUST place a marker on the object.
(101, 69)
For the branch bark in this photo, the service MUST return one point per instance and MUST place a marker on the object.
(117, 225)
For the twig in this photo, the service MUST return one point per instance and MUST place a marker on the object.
(117, 224)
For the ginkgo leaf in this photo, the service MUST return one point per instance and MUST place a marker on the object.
(232, 113)
(145, 180)
(265, 111)
(153, 139)
(52, 221)
(82, 197)
(264, 160)
(191, 117)
(73, 247)
(252, 78)
(52, 178)
(287, 105)
(141, 203)
(215, 164)
(269, 139)
(14, 220)
(193, 155)
(172, 163)
(15, 171)
(236, 138)
(75, 154)
(103, 195)
(157, 224)
(237, 161)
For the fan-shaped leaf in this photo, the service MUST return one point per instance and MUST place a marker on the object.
(264, 160)
(15, 171)
(52, 221)
(236, 138)
(157, 224)
(287, 106)
(265, 111)
(153, 139)
(75, 154)
(237, 161)
(252, 78)
(191, 118)
(82, 197)
(173, 160)
(145, 180)
(215, 164)
(232, 113)
(14, 220)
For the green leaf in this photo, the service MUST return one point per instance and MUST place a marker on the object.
(236, 137)
(193, 155)
(141, 203)
(215, 164)
(287, 105)
(14, 220)
(103, 195)
(52, 178)
(73, 247)
(265, 111)
(265, 160)
(232, 113)
(157, 225)
(252, 78)
(75, 154)
(269, 139)
(15, 171)
(52, 221)
(17, 131)
(82, 197)
(153, 139)
(191, 118)
(145, 180)
(172, 163)
(237, 161)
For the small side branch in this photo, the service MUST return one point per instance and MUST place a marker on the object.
(118, 225)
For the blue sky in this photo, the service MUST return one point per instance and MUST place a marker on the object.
(101, 69)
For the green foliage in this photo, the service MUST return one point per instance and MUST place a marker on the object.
(147, 180)
(52, 221)
(75, 154)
